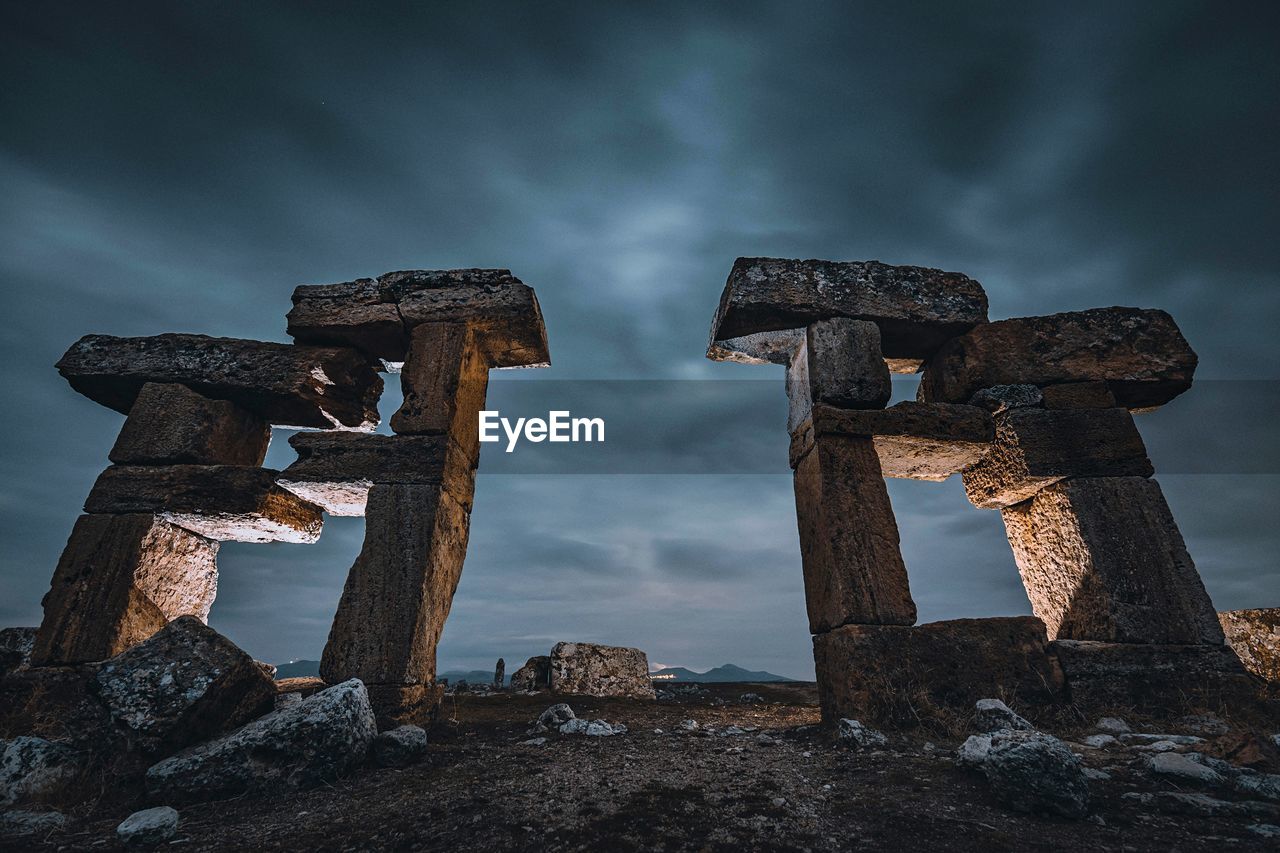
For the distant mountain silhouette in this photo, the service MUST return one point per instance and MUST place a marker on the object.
(473, 676)
(298, 669)
(728, 672)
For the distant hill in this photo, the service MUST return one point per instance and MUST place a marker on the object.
(298, 669)
(728, 672)
(474, 676)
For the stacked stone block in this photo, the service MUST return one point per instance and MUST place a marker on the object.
(442, 331)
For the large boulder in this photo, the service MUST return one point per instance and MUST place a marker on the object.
(185, 684)
(34, 769)
(301, 746)
(1255, 637)
(534, 675)
(15, 648)
(591, 669)
(1031, 771)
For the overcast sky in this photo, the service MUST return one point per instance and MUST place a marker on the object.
(182, 166)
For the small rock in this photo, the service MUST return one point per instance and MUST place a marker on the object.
(399, 747)
(1100, 741)
(556, 715)
(1266, 830)
(592, 728)
(658, 732)
(33, 768)
(973, 752)
(1097, 775)
(1180, 740)
(992, 715)
(17, 823)
(779, 802)
(766, 739)
(149, 826)
(855, 733)
(1113, 726)
(1036, 772)
(533, 741)
(1183, 767)
(731, 731)
(688, 725)
(751, 698)
(1158, 746)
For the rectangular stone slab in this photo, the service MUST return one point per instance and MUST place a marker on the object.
(853, 569)
(336, 470)
(289, 386)
(378, 315)
(914, 441)
(1163, 680)
(1138, 352)
(901, 675)
(1102, 559)
(222, 502)
(1037, 447)
(916, 308)
(399, 591)
(590, 669)
(120, 579)
(170, 424)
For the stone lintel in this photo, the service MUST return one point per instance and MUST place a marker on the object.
(169, 424)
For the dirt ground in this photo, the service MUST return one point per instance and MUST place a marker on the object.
(659, 787)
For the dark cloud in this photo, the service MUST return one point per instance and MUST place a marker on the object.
(177, 166)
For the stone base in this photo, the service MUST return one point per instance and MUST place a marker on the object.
(893, 675)
(404, 704)
(1152, 678)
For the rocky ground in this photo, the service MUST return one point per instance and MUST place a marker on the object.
(780, 783)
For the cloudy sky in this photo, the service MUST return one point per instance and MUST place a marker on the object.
(181, 166)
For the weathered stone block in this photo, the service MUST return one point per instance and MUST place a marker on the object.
(1078, 395)
(534, 675)
(184, 684)
(846, 367)
(293, 386)
(1102, 559)
(378, 315)
(1157, 679)
(400, 589)
(1035, 448)
(1255, 637)
(590, 669)
(120, 579)
(853, 569)
(222, 502)
(170, 424)
(445, 380)
(914, 441)
(1139, 353)
(900, 675)
(335, 470)
(916, 308)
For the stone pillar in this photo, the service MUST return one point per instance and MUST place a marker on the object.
(853, 569)
(500, 674)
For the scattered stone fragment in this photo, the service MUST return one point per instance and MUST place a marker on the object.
(557, 714)
(1113, 726)
(1144, 738)
(170, 424)
(533, 741)
(1100, 741)
(183, 685)
(591, 728)
(1139, 353)
(18, 823)
(1158, 746)
(1183, 766)
(33, 769)
(688, 725)
(992, 715)
(857, 735)
(731, 731)
(399, 747)
(590, 669)
(314, 741)
(289, 386)
(15, 648)
(149, 826)
(1034, 772)
(751, 699)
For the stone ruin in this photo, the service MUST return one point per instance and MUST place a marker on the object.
(1036, 415)
(187, 473)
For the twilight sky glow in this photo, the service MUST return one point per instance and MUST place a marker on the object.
(181, 166)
